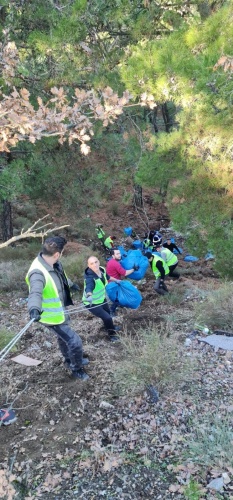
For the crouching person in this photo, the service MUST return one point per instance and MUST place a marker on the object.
(160, 270)
(49, 295)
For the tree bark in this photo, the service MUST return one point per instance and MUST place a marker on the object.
(138, 196)
(6, 222)
(166, 117)
(6, 212)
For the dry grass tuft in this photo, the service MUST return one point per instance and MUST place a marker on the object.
(216, 310)
(154, 356)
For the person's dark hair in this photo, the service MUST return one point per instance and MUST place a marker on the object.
(112, 250)
(53, 244)
(148, 255)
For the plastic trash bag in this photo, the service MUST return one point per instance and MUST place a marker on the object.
(128, 231)
(122, 250)
(190, 258)
(209, 256)
(135, 257)
(175, 251)
(137, 244)
(127, 294)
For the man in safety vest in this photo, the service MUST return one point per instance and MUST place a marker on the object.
(94, 295)
(100, 232)
(170, 259)
(160, 270)
(49, 295)
(108, 242)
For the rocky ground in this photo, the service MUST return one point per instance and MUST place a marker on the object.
(91, 441)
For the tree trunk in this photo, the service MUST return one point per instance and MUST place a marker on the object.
(6, 211)
(166, 117)
(138, 196)
(154, 119)
(6, 222)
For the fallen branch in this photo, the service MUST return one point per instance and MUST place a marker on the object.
(32, 232)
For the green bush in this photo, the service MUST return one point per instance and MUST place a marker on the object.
(84, 228)
(12, 275)
(152, 357)
(22, 222)
(216, 310)
(5, 338)
(22, 251)
(211, 441)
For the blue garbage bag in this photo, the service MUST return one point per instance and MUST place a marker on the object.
(127, 294)
(137, 244)
(135, 257)
(122, 250)
(128, 231)
(209, 256)
(190, 258)
(175, 251)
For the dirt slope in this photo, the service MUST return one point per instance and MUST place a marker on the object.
(66, 445)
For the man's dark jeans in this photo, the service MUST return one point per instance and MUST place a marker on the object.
(171, 271)
(102, 311)
(114, 306)
(70, 345)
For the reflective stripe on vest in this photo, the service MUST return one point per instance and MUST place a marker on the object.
(155, 270)
(52, 308)
(98, 294)
(171, 259)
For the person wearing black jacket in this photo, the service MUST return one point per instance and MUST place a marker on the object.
(171, 246)
(94, 295)
(49, 296)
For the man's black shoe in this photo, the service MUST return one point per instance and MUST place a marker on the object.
(113, 338)
(117, 328)
(85, 362)
(80, 374)
(160, 291)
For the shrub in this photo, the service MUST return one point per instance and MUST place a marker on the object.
(22, 251)
(84, 228)
(5, 338)
(216, 310)
(12, 275)
(21, 222)
(153, 356)
(114, 208)
(211, 442)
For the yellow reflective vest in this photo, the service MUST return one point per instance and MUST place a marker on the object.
(52, 308)
(155, 270)
(98, 294)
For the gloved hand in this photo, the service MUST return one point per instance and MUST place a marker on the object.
(74, 287)
(35, 314)
(135, 267)
(89, 299)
